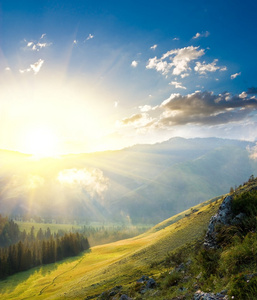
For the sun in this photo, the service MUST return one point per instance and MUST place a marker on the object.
(41, 142)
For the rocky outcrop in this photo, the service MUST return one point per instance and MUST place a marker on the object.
(223, 217)
(199, 295)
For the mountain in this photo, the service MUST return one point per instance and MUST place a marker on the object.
(143, 183)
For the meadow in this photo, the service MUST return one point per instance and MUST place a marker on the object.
(105, 266)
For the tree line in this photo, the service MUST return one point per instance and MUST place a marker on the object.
(22, 251)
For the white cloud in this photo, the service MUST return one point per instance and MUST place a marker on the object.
(145, 108)
(153, 47)
(176, 39)
(75, 42)
(233, 76)
(180, 60)
(37, 46)
(90, 36)
(178, 85)
(115, 105)
(37, 66)
(184, 75)
(30, 44)
(202, 68)
(34, 67)
(134, 64)
(22, 71)
(243, 95)
(203, 34)
(7, 69)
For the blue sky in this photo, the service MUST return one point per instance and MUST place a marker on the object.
(80, 76)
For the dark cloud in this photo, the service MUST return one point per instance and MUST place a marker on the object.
(251, 91)
(132, 119)
(203, 108)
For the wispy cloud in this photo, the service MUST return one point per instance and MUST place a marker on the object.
(134, 63)
(177, 60)
(90, 36)
(33, 67)
(154, 47)
(176, 39)
(132, 119)
(233, 76)
(178, 85)
(203, 68)
(38, 45)
(199, 35)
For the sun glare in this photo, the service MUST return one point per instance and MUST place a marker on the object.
(41, 142)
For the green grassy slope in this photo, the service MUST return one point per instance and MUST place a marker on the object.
(106, 266)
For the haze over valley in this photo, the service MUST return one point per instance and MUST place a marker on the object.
(139, 184)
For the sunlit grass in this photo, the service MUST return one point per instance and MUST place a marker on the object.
(105, 266)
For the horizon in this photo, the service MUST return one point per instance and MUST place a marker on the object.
(39, 157)
(85, 77)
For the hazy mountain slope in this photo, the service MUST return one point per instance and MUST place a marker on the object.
(144, 183)
(185, 184)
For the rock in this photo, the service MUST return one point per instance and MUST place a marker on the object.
(180, 268)
(103, 296)
(115, 290)
(199, 276)
(189, 262)
(199, 295)
(150, 284)
(143, 279)
(125, 297)
(222, 217)
(238, 219)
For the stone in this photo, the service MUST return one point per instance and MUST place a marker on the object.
(150, 284)
(222, 217)
(200, 295)
(125, 297)
(143, 279)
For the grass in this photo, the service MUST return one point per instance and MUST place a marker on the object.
(105, 266)
(53, 227)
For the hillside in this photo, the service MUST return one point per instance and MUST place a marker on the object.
(171, 253)
(140, 184)
(104, 267)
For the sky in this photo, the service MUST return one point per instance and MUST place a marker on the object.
(82, 76)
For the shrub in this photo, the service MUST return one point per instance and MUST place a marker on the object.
(209, 260)
(240, 256)
(172, 279)
(244, 287)
(245, 203)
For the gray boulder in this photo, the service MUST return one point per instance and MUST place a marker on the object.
(222, 217)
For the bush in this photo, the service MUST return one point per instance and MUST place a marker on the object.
(244, 287)
(209, 260)
(240, 256)
(245, 203)
(172, 279)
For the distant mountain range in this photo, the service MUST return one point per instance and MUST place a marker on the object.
(143, 183)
